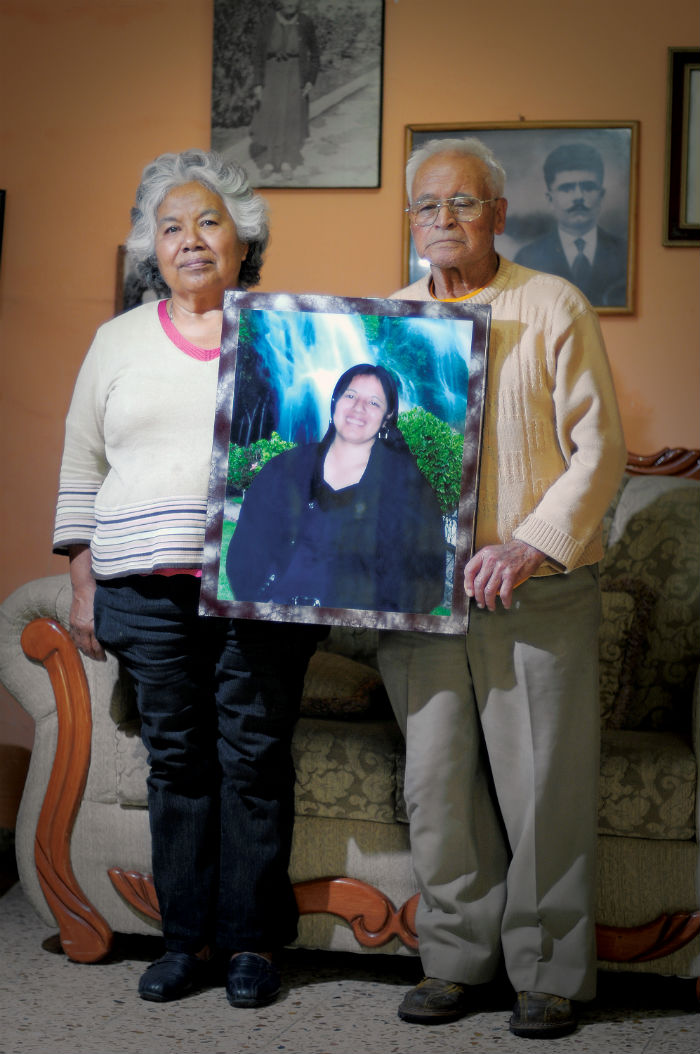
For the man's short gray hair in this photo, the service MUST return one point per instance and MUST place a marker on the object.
(227, 179)
(470, 147)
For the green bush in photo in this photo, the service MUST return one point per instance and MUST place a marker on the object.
(437, 449)
(244, 462)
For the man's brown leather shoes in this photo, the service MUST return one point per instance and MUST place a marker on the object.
(434, 1001)
(539, 1015)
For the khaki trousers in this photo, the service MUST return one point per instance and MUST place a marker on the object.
(502, 749)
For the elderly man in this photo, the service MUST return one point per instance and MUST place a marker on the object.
(578, 248)
(502, 727)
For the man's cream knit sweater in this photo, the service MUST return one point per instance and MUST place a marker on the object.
(553, 450)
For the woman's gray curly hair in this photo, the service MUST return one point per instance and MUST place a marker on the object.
(227, 179)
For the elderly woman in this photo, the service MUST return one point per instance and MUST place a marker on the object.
(218, 698)
(362, 527)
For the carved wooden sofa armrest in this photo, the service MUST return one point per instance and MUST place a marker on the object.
(85, 935)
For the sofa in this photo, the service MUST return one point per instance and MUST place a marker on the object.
(82, 836)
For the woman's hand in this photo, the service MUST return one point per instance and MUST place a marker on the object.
(82, 625)
(497, 569)
(82, 609)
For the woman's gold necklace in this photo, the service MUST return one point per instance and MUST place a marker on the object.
(183, 310)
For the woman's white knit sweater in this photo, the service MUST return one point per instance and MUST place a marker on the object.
(135, 470)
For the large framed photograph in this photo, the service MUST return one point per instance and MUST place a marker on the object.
(682, 213)
(297, 90)
(571, 191)
(345, 461)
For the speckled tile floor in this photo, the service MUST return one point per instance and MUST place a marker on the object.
(330, 1004)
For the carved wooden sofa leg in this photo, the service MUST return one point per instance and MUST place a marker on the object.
(373, 918)
(655, 939)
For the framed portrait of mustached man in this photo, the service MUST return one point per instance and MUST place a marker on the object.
(345, 461)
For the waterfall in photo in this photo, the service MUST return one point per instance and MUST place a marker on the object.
(289, 362)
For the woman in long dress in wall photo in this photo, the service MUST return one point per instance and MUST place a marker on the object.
(297, 90)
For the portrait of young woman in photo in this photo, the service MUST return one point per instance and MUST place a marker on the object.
(349, 522)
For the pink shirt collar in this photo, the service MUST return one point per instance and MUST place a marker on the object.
(203, 354)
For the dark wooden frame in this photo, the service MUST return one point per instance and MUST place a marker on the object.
(85, 935)
(683, 63)
(3, 196)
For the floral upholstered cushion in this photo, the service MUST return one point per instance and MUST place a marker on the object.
(654, 541)
(647, 785)
(615, 625)
(338, 686)
(624, 627)
(347, 770)
(344, 769)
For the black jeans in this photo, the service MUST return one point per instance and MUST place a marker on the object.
(218, 699)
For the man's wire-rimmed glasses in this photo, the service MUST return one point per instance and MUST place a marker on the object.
(464, 208)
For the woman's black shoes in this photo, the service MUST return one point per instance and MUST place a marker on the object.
(252, 980)
(172, 976)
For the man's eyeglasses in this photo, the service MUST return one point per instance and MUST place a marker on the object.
(463, 208)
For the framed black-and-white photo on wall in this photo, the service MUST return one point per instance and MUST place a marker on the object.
(682, 214)
(297, 90)
(571, 188)
(345, 461)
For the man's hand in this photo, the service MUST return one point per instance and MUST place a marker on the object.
(497, 569)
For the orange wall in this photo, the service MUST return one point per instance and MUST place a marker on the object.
(93, 89)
